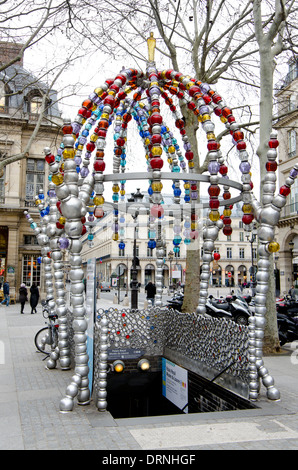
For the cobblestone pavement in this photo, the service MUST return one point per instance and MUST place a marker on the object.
(30, 418)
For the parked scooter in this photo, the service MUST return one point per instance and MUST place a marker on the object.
(288, 306)
(176, 302)
(233, 307)
(287, 328)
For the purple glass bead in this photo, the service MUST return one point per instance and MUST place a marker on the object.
(82, 140)
(194, 195)
(84, 172)
(63, 243)
(187, 147)
(213, 167)
(204, 110)
(78, 160)
(76, 127)
(52, 193)
(183, 165)
(293, 173)
(244, 167)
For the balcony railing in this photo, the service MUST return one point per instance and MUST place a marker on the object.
(289, 210)
(292, 75)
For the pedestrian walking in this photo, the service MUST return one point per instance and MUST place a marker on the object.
(34, 297)
(151, 291)
(23, 296)
(6, 293)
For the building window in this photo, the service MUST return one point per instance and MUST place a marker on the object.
(229, 253)
(35, 105)
(2, 188)
(30, 240)
(291, 143)
(31, 270)
(241, 253)
(150, 252)
(121, 251)
(241, 236)
(292, 102)
(34, 177)
(254, 253)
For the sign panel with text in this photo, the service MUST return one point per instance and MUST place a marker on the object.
(175, 384)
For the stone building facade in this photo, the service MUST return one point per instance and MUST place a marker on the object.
(20, 100)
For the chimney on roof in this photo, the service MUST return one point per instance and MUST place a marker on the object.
(10, 50)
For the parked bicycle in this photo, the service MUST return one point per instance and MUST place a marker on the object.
(46, 339)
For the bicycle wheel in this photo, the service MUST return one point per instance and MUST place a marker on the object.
(42, 341)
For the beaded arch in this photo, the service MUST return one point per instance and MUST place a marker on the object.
(76, 197)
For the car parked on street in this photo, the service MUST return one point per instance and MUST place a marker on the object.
(105, 287)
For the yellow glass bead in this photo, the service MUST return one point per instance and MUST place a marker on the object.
(227, 212)
(62, 220)
(98, 200)
(175, 83)
(191, 164)
(147, 156)
(111, 92)
(147, 141)
(38, 201)
(206, 117)
(154, 84)
(94, 107)
(68, 153)
(156, 150)
(199, 118)
(186, 186)
(80, 147)
(273, 247)
(157, 186)
(211, 136)
(247, 208)
(189, 85)
(194, 225)
(62, 166)
(94, 138)
(223, 119)
(122, 192)
(105, 116)
(115, 188)
(214, 216)
(170, 160)
(98, 91)
(171, 149)
(115, 237)
(163, 74)
(57, 179)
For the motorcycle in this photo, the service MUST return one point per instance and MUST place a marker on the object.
(233, 308)
(287, 328)
(288, 306)
(176, 302)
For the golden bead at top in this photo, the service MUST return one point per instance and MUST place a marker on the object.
(98, 200)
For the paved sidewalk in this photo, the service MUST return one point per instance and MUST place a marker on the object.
(30, 418)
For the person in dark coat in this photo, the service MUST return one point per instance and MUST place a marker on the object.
(23, 296)
(6, 294)
(34, 297)
(151, 291)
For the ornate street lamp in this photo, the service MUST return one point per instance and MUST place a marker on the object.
(171, 256)
(135, 197)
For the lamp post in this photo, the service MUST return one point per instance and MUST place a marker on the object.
(291, 245)
(171, 256)
(135, 197)
(252, 269)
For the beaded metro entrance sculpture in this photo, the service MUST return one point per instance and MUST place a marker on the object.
(76, 194)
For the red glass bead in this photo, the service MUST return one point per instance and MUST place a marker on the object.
(99, 165)
(126, 117)
(223, 169)
(156, 163)
(238, 136)
(87, 104)
(247, 218)
(191, 105)
(67, 129)
(213, 190)
(98, 213)
(120, 142)
(227, 220)
(122, 95)
(212, 145)
(226, 112)
(58, 205)
(50, 159)
(227, 230)
(214, 203)
(156, 139)
(193, 90)
(216, 256)
(273, 143)
(109, 100)
(207, 99)
(58, 225)
(84, 230)
(90, 146)
(226, 195)
(241, 145)
(155, 118)
(122, 78)
(284, 190)
(189, 155)
(271, 166)
(216, 98)
(179, 123)
(217, 111)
